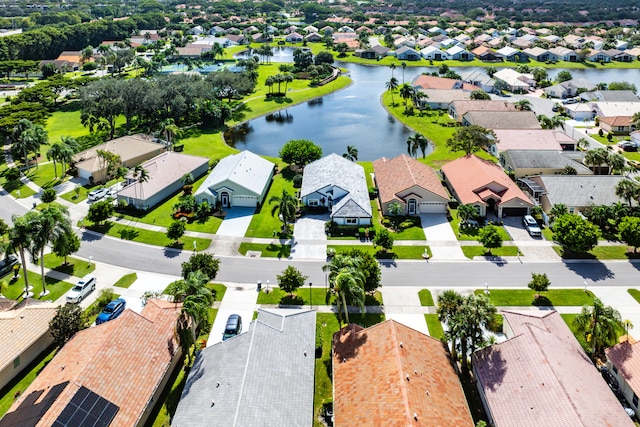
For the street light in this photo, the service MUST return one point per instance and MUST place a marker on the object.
(90, 260)
(486, 288)
(310, 296)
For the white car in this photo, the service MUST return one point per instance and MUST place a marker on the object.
(82, 289)
(98, 194)
(531, 225)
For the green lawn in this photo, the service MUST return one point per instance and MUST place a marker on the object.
(74, 266)
(568, 319)
(635, 294)
(56, 288)
(23, 380)
(149, 237)
(126, 280)
(599, 252)
(414, 232)
(263, 224)
(473, 251)
(471, 233)
(398, 252)
(219, 289)
(434, 326)
(425, 298)
(268, 250)
(302, 296)
(525, 297)
(326, 325)
(161, 417)
(44, 175)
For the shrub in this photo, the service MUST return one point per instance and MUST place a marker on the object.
(405, 224)
(297, 181)
(90, 66)
(12, 174)
(495, 325)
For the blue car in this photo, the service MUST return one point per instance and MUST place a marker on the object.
(112, 310)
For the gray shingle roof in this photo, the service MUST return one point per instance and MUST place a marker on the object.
(264, 377)
(585, 190)
(545, 159)
(336, 171)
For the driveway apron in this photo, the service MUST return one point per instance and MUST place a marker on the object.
(238, 299)
(441, 238)
(309, 238)
(236, 222)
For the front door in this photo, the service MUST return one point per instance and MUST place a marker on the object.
(412, 206)
(224, 200)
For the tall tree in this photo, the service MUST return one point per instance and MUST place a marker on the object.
(347, 282)
(539, 283)
(291, 279)
(596, 158)
(286, 206)
(20, 237)
(547, 122)
(392, 86)
(102, 103)
(629, 229)
(417, 142)
(471, 139)
(68, 320)
(628, 190)
(523, 105)
(599, 325)
(351, 154)
(490, 237)
(407, 92)
(575, 233)
(141, 175)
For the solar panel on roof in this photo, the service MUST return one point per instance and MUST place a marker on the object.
(87, 409)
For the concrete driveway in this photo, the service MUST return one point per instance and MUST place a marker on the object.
(532, 248)
(239, 299)
(309, 238)
(440, 237)
(236, 222)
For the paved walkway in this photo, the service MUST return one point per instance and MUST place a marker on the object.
(403, 305)
(441, 238)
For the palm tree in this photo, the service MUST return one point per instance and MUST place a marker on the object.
(599, 326)
(347, 281)
(392, 67)
(412, 145)
(33, 138)
(616, 162)
(285, 205)
(53, 154)
(627, 323)
(392, 85)
(628, 190)
(551, 122)
(404, 66)
(596, 157)
(169, 129)
(407, 92)
(20, 239)
(142, 176)
(351, 154)
(583, 144)
(523, 105)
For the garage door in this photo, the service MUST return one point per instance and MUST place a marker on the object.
(244, 201)
(514, 211)
(433, 207)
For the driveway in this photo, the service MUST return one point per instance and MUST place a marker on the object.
(532, 248)
(440, 237)
(236, 222)
(238, 299)
(309, 238)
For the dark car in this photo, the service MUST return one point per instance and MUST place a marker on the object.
(111, 311)
(233, 327)
(6, 265)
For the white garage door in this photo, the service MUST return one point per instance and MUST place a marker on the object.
(433, 207)
(244, 201)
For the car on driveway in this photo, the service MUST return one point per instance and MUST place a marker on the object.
(111, 311)
(6, 264)
(233, 327)
(531, 225)
(82, 289)
(98, 194)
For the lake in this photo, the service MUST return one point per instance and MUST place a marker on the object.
(355, 115)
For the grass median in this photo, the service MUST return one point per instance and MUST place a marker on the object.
(526, 297)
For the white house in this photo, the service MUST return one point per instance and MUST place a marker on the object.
(237, 180)
(340, 185)
(433, 53)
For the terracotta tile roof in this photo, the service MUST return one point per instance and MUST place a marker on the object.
(617, 120)
(473, 178)
(122, 361)
(531, 139)
(403, 172)
(626, 358)
(127, 147)
(21, 325)
(370, 385)
(433, 82)
(542, 377)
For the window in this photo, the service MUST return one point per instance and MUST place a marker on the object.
(16, 362)
(314, 202)
(571, 210)
(635, 400)
(352, 221)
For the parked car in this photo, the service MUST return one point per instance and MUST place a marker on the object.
(111, 311)
(571, 101)
(628, 145)
(6, 264)
(82, 289)
(98, 194)
(531, 225)
(233, 327)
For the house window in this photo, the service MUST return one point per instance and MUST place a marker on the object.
(314, 202)
(571, 210)
(635, 400)
(352, 221)
(16, 362)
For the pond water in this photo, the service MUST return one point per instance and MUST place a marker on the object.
(355, 116)
(181, 68)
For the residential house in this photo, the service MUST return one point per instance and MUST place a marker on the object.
(569, 88)
(459, 53)
(523, 163)
(484, 53)
(216, 30)
(522, 43)
(482, 39)
(240, 179)
(407, 54)
(392, 375)
(511, 54)
(541, 376)
(294, 38)
(233, 383)
(478, 78)
(515, 81)
(618, 55)
(598, 56)
(404, 41)
(537, 54)
(112, 374)
(486, 186)
(374, 52)
(413, 185)
(573, 40)
(260, 37)
(439, 99)
(310, 29)
(340, 185)
(326, 30)
(447, 43)
(457, 109)
(501, 119)
(552, 38)
(579, 111)
(617, 125)
(622, 44)
(132, 150)
(433, 82)
(623, 362)
(531, 139)
(24, 328)
(635, 52)
(197, 30)
(611, 109)
(236, 39)
(577, 192)
(610, 96)
(165, 173)
(436, 31)
(564, 54)
(313, 37)
(433, 53)
(598, 42)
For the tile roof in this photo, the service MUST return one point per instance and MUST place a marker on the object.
(21, 325)
(617, 120)
(392, 375)
(123, 361)
(433, 82)
(127, 147)
(503, 119)
(444, 96)
(626, 358)
(470, 176)
(531, 139)
(264, 377)
(541, 376)
(403, 172)
(164, 169)
(581, 190)
(462, 107)
(336, 171)
(245, 169)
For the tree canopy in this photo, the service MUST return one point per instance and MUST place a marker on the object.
(575, 233)
(471, 139)
(300, 152)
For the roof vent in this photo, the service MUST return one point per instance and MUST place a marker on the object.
(408, 377)
(415, 372)
(428, 393)
(217, 384)
(415, 416)
(213, 402)
(401, 345)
